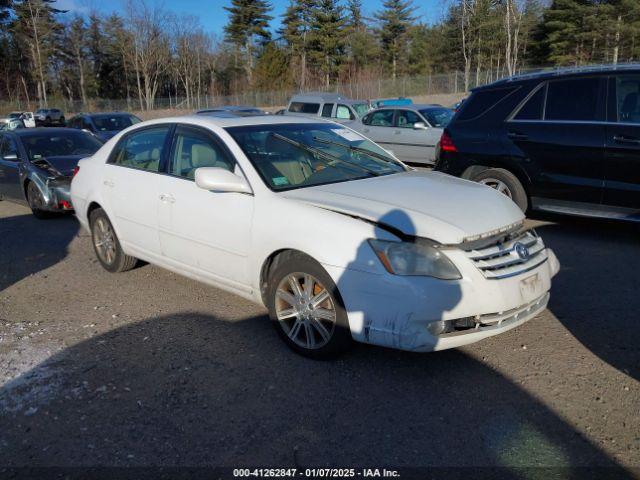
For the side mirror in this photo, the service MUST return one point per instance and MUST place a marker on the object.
(420, 126)
(220, 180)
(12, 157)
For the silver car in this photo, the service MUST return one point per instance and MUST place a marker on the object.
(327, 105)
(410, 132)
(49, 116)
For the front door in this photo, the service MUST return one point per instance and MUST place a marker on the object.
(414, 145)
(378, 126)
(10, 187)
(622, 145)
(130, 187)
(208, 232)
(560, 142)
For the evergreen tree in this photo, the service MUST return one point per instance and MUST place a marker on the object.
(327, 39)
(296, 24)
(395, 18)
(248, 25)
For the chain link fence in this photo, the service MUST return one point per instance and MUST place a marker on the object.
(410, 86)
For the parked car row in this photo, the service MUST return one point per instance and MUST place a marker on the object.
(331, 232)
(36, 164)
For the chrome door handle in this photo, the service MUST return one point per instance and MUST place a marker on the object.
(517, 136)
(627, 140)
(397, 132)
(166, 198)
(108, 183)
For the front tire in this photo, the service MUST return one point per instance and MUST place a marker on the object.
(306, 308)
(36, 202)
(106, 244)
(506, 183)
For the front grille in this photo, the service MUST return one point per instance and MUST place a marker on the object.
(510, 256)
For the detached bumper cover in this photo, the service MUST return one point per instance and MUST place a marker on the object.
(57, 194)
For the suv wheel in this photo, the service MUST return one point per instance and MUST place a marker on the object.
(306, 308)
(506, 183)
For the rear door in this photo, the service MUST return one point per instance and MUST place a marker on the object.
(130, 186)
(622, 145)
(10, 187)
(557, 137)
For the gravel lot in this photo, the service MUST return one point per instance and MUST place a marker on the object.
(149, 368)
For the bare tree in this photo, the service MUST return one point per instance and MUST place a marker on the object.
(149, 52)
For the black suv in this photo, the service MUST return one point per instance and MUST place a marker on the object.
(565, 141)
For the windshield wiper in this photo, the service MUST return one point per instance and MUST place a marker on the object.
(327, 157)
(358, 149)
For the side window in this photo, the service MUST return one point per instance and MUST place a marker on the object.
(381, 118)
(533, 107)
(628, 98)
(407, 119)
(575, 99)
(481, 101)
(8, 147)
(141, 149)
(300, 107)
(193, 149)
(327, 108)
(343, 113)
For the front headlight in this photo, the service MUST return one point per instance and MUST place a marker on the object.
(402, 258)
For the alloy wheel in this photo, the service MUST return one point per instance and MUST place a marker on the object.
(305, 310)
(497, 185)
(104, 240)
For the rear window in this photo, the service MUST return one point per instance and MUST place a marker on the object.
(301, 107)
(575, 99)
(481, 101)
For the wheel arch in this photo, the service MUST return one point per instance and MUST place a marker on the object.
(520, 173)
(268, 263)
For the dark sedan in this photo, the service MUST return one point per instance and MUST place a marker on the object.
(103, 125)
(36, 166)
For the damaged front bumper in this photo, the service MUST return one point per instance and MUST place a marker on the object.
(424, 314)
(56, 193)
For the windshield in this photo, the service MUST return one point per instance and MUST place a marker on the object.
(59, 144)
(437, 117)
(361, 109)
(114, 122)
(289, 156)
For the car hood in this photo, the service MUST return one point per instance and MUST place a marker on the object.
(105, 135)
(423, 204)
(62, 165)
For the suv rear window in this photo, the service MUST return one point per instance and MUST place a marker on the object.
(575, 99)
(481, 101)
(300, 107)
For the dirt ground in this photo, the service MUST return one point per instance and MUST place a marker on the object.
(150, 368)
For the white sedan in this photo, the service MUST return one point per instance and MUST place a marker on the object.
(338, 240)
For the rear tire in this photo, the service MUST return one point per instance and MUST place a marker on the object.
(106, 244)
(306, 308)
(506, 183)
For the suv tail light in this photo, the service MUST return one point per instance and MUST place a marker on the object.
(446, 143)
(76, 169)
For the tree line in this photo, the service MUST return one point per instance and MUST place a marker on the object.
(145, 52)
